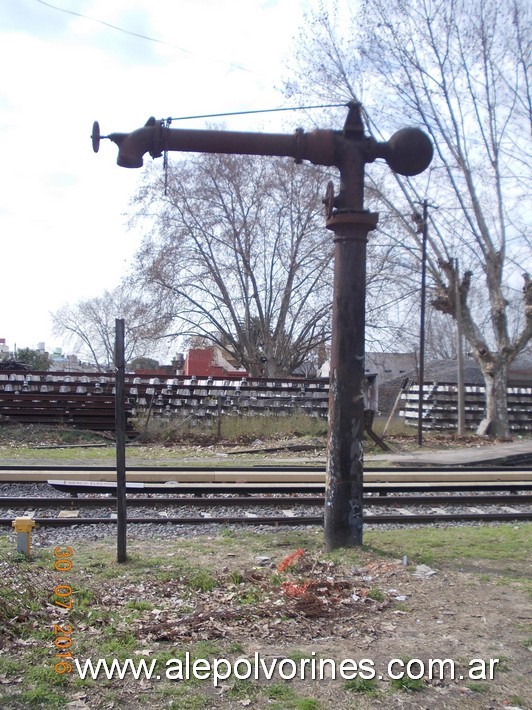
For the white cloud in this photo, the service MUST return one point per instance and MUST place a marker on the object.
(62, 207)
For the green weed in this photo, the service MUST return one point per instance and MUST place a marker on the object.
(280, 691)
(139, 605)
(243, 689)
(202, 581)
(376, 594)
(408, 684)
(478, 687)
(43, 698)
(368, 686)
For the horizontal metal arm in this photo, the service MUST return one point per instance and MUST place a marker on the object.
(318, 147)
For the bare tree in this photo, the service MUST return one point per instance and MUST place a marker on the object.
(90, 325)
(237, 252)
(459, 69)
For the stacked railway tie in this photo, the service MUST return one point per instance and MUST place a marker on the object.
(86, 400)
(201, 498)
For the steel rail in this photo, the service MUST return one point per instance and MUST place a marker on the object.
(286, 520)
(220, 466)
(380, 501)
(246, 488)
(168, 469)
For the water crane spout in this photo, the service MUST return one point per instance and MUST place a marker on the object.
(408, 152)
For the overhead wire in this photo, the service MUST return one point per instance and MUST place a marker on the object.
(133, 34)
(187, 51)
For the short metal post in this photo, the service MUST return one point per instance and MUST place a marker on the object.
(219, 417)
(23, 527)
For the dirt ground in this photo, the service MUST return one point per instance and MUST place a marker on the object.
(286, 603)
(459, 614)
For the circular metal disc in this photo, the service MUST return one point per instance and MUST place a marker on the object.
(95, 136)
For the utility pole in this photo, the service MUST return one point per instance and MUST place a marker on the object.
(408, 152)
(460, 395)
(120, 419)
(422, 227)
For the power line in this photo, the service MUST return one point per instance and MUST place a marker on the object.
(133, 34)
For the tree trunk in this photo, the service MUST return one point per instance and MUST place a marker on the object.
(496, 422)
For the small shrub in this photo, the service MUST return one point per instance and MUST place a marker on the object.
(376, 594)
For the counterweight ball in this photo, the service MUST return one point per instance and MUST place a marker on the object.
(409, 151)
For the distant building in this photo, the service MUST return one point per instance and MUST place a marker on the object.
(387, 366)
(203, 362)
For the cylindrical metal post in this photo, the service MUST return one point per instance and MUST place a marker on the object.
(120, 418)
(343, 519)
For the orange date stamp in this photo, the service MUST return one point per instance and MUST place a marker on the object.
(63, 600)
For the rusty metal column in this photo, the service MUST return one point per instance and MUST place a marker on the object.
(345, 460)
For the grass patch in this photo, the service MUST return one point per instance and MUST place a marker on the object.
(46, 676)
(283, 697)
(139, 605)
(233, 427)
(409, 685)
(478, 687)
(250, 596)
(281, 692)
(43, 698)
(366, 686)
(243, 689)
(120, 645)
(307, 704)
(202, 581)
(376, 594)
(186, 698)
(429, 545)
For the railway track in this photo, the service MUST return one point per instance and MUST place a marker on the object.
(291, 521)
(416, 496)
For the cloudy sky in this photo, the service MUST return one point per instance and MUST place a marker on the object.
(66, 63)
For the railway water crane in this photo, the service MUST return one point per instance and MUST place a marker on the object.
(408, 152)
